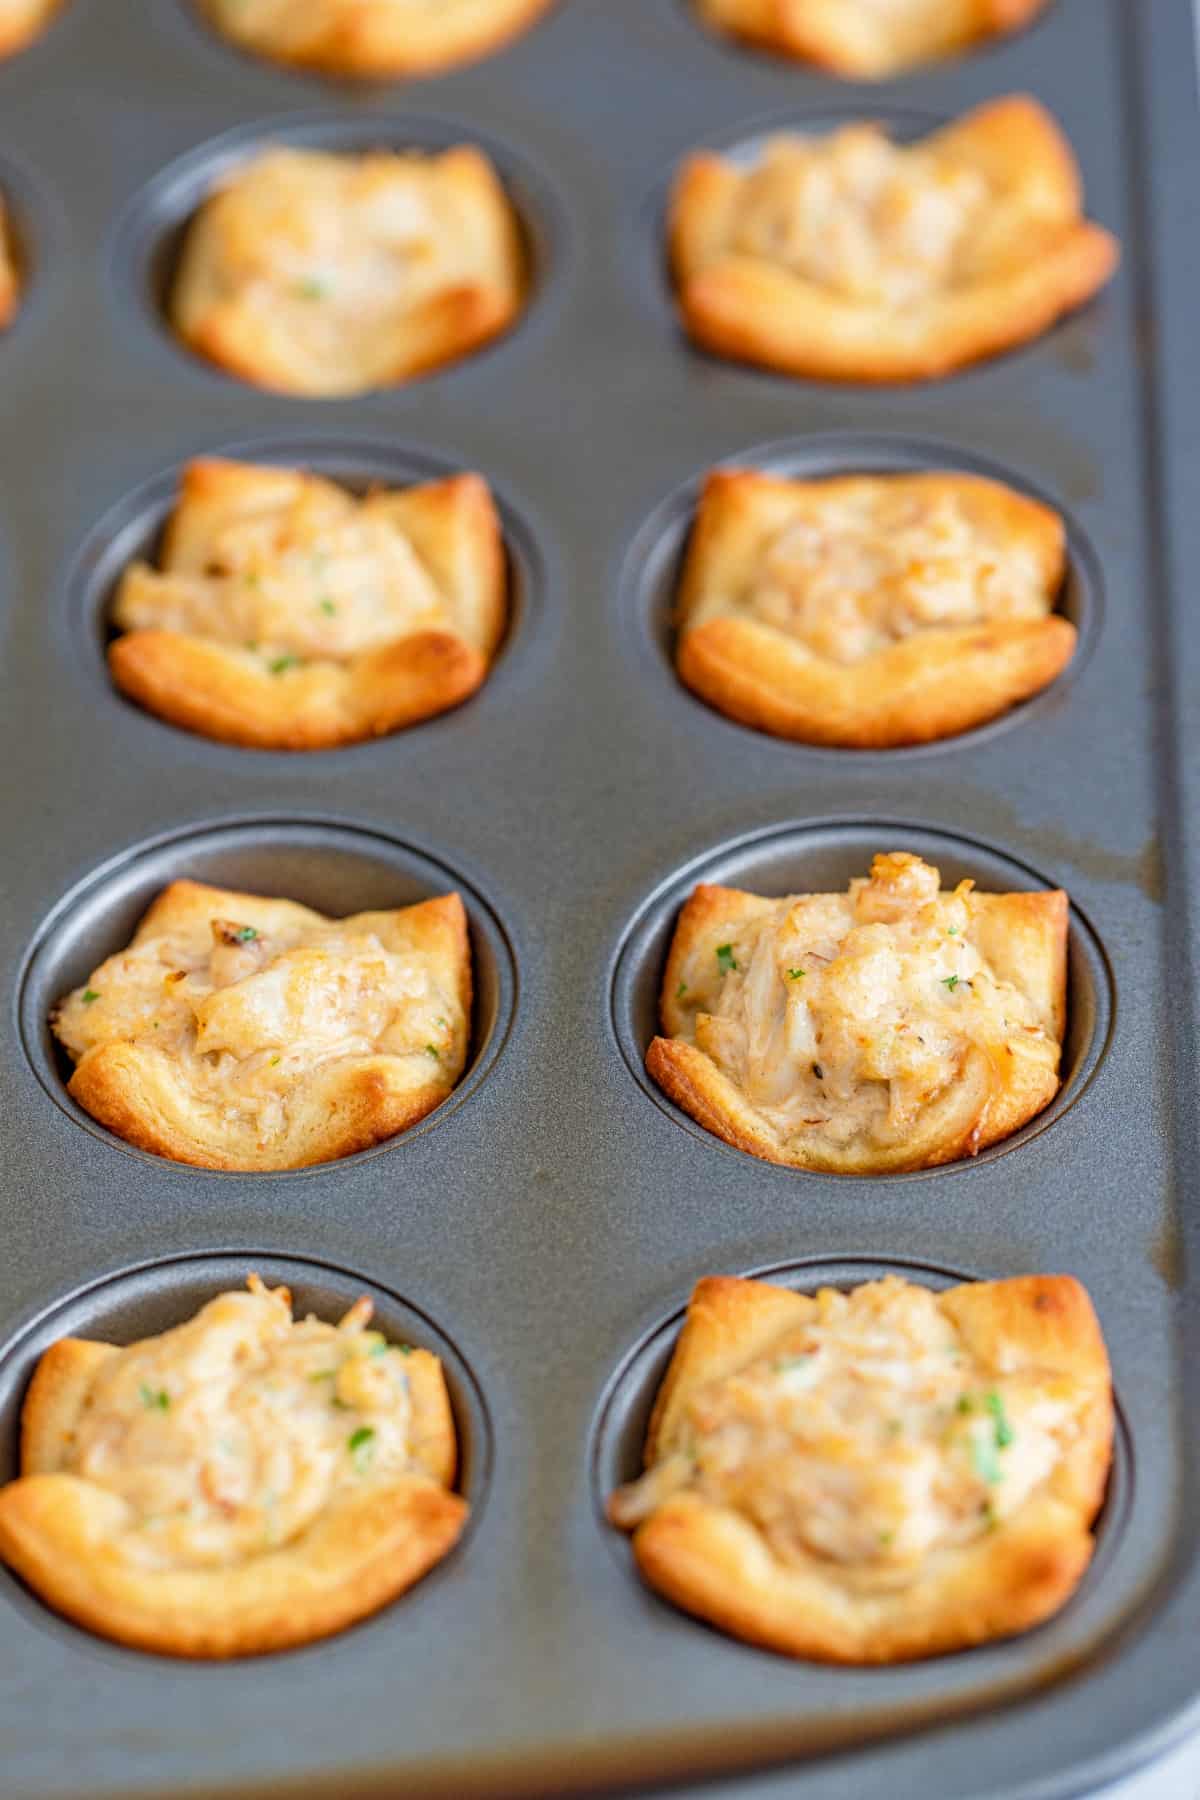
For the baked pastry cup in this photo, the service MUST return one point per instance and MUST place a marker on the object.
(850, 258)
(862, 41)
(323, 273)
(9, 287)
(288, 615)
(895, 1026)
(237, 1032)
(870, 610)
(876, 1476)
(372, 39)
(241, 1483)
(22, 20)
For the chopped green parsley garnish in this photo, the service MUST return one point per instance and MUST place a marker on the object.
(379, 1349)
(885, 1538)
(278, 664)
(796, 974)
(681, 990)
(952, 931)
(89, 994)
(950, 981)
(432, 1050)
(360, 1445)
(1004, 1431)
(327, 607)
(245, 934)
(310, 288)
(155, 1398)
(725, 958)
(275, 1059)
(989, 1436)
(404, 1349)
(983, 1455)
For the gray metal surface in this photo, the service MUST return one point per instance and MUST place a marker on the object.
(554, 1218)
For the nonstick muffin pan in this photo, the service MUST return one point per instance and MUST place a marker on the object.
(543, 1229)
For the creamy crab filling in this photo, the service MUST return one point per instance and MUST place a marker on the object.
(316, 577)
(850, 579)
(854, 213)
(233, 1433)
(847, 1016)
(245, 1017)
(335, 253)
(868, 1437)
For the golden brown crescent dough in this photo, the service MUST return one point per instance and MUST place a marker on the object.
(372, 38)
(892, 1027)
(8, 272)
(870, 610)
(322, 273)
(22, 20)
(241, 1483)
(868, 40)
(879, 1475)
(237, 1032)
(851, 258)
(288, 615)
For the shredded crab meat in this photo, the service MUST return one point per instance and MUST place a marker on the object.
(848, 578)
(333, 256)
(849, 1014)
(243, 1015)
(309, 574)
(859, 215)
(229, 1435)
(868, 1438)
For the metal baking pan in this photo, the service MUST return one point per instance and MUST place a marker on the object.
(544, 1228)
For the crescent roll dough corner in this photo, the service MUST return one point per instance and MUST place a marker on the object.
(22, 20)
(895, 1026)
(9, 284)
(851, 258)
(242, 1483)
(286, 614)
(327, 273)
(879, 1475)
(863, 41)
(870, 610)
(372, 39)
(237, 1032)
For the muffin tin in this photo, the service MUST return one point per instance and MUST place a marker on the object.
(543, 1229)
